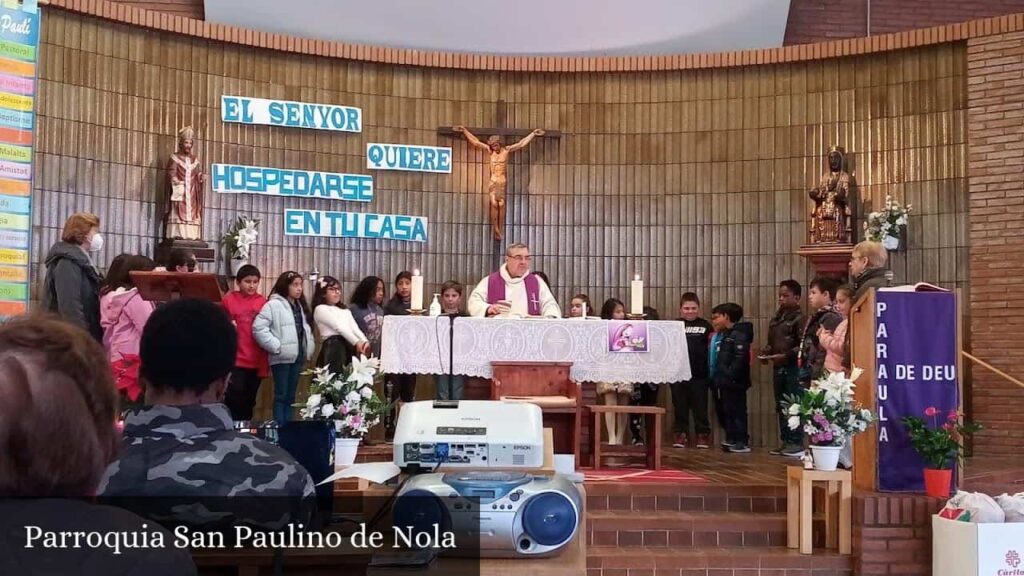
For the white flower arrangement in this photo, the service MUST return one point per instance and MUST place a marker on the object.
(887, 222)
(241, 236)
(347, 399)
(827, 412)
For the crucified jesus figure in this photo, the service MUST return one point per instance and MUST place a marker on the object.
(499, 167)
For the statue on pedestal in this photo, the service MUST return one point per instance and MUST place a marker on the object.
(831, 217)
(499, 167)
(183, 216)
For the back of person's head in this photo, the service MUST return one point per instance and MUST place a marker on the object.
(651, 313)
(825, 285)
(181, 257)
(77, 227)
(186, 346)
(793, 286)
(730, 310)
(363, 294)
(324, 284)
(609, 306)
(58, 408)
(113, 273)
(121, 278)
(875, 252)
(689, 297)
(245, 271)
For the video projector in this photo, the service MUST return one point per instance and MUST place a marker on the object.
(469, 434)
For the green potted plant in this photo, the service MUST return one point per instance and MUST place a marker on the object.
(939, 446)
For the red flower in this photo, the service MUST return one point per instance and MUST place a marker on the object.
(126, 375)
(931, 411)
(953, 415)
(948, 426)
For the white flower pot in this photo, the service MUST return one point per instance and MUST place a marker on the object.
(345, 450)
(891, 242)
(826, 458)
(236, 264)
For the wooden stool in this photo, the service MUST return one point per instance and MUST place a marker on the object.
(652, 445)
(800, 514)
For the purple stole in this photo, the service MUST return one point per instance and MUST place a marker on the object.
(496, 291)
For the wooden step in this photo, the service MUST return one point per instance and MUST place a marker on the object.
(690, 529)
(716, 561)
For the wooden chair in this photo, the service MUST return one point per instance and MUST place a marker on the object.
(548, 385)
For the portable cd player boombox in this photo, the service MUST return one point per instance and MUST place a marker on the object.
(500, 514)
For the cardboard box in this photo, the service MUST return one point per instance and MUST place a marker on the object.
(969, 549)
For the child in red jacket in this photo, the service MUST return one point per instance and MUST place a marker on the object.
(251, 365)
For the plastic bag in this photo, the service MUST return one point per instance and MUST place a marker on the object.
(982, 508)
(1013, 506)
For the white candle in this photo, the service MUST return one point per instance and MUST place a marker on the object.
(417, 291)
(636, 296)
(583, 313)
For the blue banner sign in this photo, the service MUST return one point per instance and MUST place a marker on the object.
(410, 158)
(235, 179)
(330, 224)
(290, 114)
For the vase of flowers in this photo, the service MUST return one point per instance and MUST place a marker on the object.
(239, 240)
(887, 225)
(348, 400)
(939, 445)
(829, 415)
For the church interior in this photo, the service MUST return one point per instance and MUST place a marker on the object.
(731, 285)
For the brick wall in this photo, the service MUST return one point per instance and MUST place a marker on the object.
(186, 8)
(995, 126)
(892, 534)
(821, 20)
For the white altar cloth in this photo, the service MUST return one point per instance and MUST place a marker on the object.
(419, 345)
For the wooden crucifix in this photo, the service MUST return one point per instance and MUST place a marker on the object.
(498, 153)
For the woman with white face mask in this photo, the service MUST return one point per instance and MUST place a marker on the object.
(71, 288)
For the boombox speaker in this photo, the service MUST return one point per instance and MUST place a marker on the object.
(491, 514)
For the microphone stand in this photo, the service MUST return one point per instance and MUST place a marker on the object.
(451, 347)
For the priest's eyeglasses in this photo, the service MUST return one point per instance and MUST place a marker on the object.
(520, 258)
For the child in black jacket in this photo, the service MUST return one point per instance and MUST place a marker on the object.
(731, 372)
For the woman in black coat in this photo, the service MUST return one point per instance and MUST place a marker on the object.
(72, 285)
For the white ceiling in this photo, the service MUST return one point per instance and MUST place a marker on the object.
(523, 27)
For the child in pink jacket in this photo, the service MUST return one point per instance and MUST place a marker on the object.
(123, 311)
(834, 342)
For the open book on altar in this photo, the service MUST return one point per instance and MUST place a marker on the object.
(919, 287)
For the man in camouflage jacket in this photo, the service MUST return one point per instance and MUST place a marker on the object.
(181, 461)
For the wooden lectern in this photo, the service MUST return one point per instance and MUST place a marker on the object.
(168, 286)
(861, 332)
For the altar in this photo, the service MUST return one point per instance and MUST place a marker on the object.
(420, 345)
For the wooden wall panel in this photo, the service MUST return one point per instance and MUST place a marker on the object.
(695, 179)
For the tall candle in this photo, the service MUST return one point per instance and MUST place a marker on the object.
(417, 291)
(636, 296)
(583, 312)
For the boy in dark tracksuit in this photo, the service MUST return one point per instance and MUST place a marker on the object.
(731, 373)
(784, 334)
(692, 395)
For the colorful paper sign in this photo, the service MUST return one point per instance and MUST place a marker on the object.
(409, 158)
(234, 179)
(289, 114)
(627, 336)
(330, 224)
(19, 49)
(916, 351)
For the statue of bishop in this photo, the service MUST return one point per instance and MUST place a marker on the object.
(183, 217)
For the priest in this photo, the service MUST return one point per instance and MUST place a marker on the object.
(513, 289)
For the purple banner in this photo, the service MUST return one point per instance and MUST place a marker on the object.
(915, 344)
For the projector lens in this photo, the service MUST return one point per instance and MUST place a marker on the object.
(549, 519)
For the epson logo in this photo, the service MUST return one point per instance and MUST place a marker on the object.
(520, 447)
